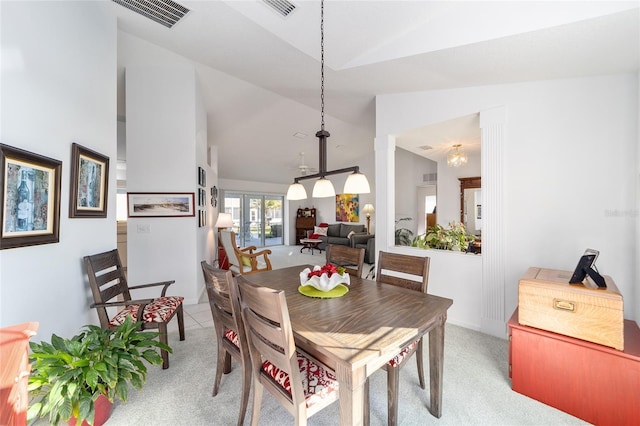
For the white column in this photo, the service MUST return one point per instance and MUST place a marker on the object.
(493, 134)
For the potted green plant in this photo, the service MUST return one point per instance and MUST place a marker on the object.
(455, 238)
(71, 377)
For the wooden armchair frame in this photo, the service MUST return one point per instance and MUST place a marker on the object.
(236, 255)
(108, 280)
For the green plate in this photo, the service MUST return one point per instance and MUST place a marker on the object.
(338, 291)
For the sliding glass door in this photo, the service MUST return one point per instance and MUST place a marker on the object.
(257, 218)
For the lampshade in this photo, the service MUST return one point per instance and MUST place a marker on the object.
(224, 221)
(323, 188)
(368, 209)
(456, 156)
(296, 192)
(356, 183)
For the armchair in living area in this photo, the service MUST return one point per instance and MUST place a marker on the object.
(244, 261)
(368, 243)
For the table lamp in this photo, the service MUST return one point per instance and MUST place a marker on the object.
(224, 221)
(368, 209)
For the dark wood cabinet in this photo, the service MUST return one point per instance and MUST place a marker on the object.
(305, 221)
(593, 382)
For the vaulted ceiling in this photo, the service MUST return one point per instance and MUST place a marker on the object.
(371, 47)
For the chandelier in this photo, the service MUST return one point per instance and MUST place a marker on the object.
(456, 156)
(356, 183)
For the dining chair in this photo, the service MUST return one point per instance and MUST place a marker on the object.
(244, 260)
(410, 272)
(229, 329)
(108, 281)
(297, 381)
(351, 258)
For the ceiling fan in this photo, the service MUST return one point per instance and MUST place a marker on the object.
(304, 168)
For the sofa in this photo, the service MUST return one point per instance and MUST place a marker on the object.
(368, 243)
(338, 233)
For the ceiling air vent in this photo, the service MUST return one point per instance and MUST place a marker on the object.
(165, 12)
(283, 7)
(430, 178)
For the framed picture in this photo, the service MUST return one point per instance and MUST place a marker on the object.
(202, 177)
(347, 208)
(89, 183)
(160, 204)
(202, 197)
(30, 192)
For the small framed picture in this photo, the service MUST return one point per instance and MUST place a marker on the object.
(202, 177)
(30, 193)
(160, 204)
(89, 183)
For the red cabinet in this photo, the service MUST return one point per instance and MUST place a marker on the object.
(14, 374)
(593, 382)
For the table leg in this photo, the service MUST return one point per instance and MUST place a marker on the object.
(436, 361)
(352, 386)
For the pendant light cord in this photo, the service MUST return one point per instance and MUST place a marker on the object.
(322, 64)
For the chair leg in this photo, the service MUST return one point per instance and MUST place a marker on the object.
(180, 314)
(420, 359)
(393, 383)
(366, 415)
(246, 389)
(219, 368)
(162, 329)
(257, 401)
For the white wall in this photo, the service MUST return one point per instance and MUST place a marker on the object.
(570, 165)
(58, 87)
(165, 147)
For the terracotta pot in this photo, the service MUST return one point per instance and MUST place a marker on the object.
(102, 407)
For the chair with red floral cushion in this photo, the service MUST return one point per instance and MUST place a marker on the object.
(410, 272)
(300, 383)
(109, 282)
(229, 329)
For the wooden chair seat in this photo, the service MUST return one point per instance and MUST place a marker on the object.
(159, 310)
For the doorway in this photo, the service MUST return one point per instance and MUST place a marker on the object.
(257, 218)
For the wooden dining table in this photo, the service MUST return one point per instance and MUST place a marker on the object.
(359, 332)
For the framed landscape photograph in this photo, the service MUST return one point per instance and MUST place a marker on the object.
(160, 204)
(30, 193)
(89, 183)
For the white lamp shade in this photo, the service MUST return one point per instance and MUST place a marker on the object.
(224, 220)
(323, 188)
(368, 208)
(357, 183)
(296, 192)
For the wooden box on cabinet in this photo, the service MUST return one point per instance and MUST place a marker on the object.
(546, 300)
(593, 382)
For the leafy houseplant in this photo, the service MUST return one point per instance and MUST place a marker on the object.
(455, 238)
(68, 375)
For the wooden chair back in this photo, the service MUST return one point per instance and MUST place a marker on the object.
(407, 271)
(270, 336)
(108, 281)
(352, 259)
